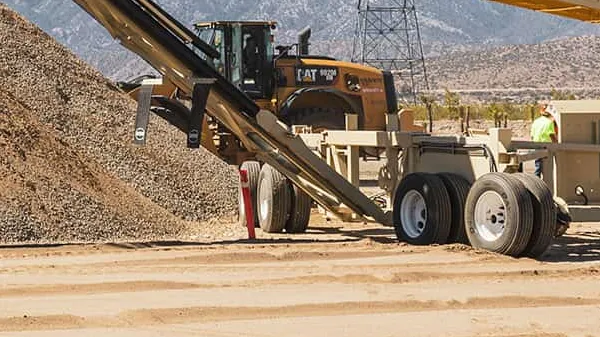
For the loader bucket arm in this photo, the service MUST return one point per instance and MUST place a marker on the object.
(142, 27)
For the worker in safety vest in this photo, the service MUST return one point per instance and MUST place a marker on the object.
(544, 130)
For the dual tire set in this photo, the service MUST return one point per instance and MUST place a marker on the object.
(278, 205)
(510, 214)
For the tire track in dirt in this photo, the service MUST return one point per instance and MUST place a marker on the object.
(148, 317)
(216, 288)
(399, 270)
(292, 248)
(396, 278)
(536, 335)
(251, 256)
(97, 288)
(474, 267)
(240, 257)
(316, 243)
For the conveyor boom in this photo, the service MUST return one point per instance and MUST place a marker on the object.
(144, 28)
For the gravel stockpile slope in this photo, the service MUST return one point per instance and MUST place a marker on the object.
(51, 193)
(92, 116)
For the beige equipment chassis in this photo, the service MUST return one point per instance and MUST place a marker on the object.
(468, 156)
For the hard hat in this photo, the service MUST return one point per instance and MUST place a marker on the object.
(552, 111)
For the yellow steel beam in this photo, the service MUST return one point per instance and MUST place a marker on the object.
(583, 10)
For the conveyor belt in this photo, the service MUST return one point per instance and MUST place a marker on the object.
(583, 10)
(144, 28)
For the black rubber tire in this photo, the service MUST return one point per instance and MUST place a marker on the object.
(300, 209)
(273, 192)
(458, 190)
(326, 119)
(253, 169)
(544, 215)
(517, 213)
(319, 118)
(438, 219)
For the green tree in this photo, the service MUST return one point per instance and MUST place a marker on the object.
(494, 111)
(530, 110)
(511, 111)
(429, 102)
(452, 102)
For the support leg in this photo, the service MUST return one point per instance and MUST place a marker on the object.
(199, 98)
(142, 117)
(548, 172)
(352, 154)
(392, 160)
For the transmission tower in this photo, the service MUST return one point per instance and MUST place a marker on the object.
(387, 37)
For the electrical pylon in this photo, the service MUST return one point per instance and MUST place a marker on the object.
(388, 37)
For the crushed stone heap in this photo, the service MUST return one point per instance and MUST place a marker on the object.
(86, 113)
(50, 193)
(97, 119)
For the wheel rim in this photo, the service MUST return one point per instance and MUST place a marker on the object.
(413, 213)
(264, 199)
(490, 216)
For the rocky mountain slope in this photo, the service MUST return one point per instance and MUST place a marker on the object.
(445, 25)
(523, 66)
(527, 71)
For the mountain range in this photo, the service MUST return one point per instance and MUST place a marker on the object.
(446, 26)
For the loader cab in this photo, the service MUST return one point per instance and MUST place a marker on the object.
(246, 50)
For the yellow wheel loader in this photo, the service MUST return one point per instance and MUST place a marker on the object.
(301, 89)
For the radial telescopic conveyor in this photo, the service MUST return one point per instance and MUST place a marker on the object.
(583, 10)
(174, 51)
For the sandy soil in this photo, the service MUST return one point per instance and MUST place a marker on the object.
(338, 279)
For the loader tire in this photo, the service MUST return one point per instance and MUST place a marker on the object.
(253, 169)
(422, 214)
(499, 214)
(299, 212)
(319, 118)
(458, 189)
(544, 215)
(322, 119)
(274, 199)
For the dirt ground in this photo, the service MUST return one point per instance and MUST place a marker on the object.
(337, 280)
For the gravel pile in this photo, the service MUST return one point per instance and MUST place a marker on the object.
(50, 193)
(96, 120)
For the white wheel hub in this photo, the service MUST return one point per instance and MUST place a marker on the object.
(490, 216)
(413, 213)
